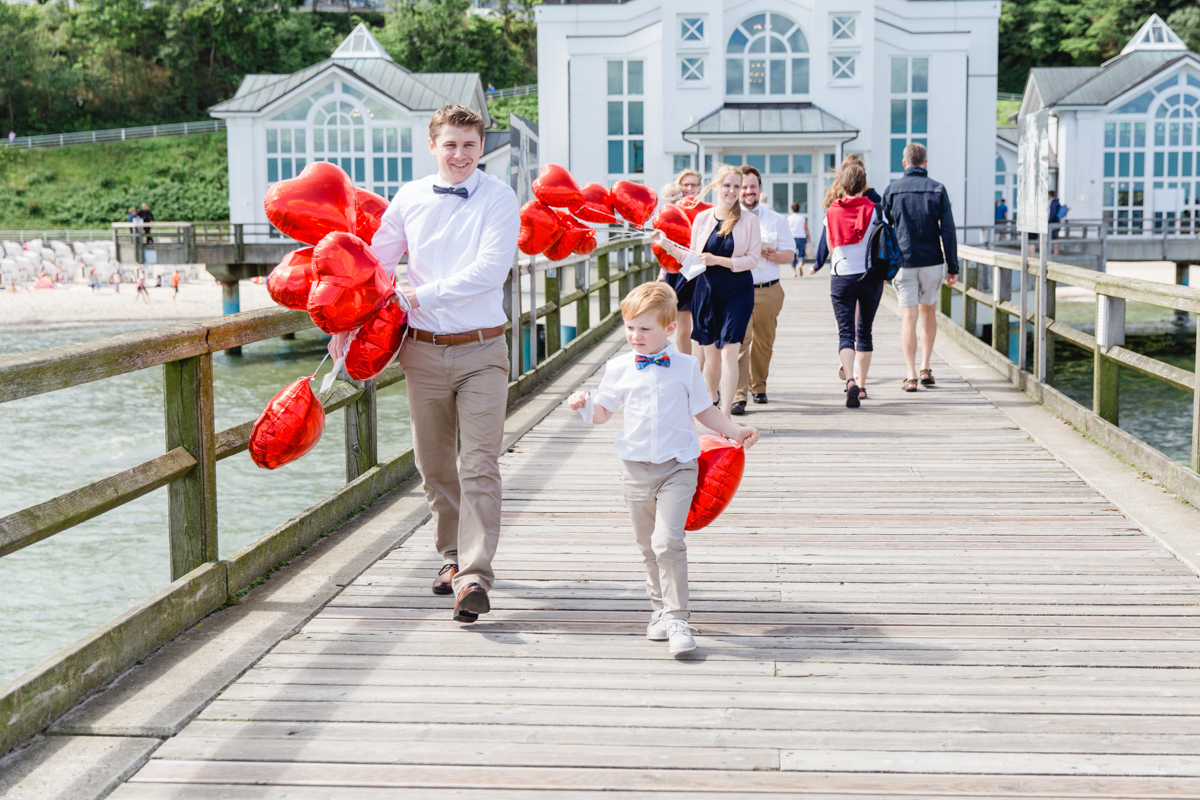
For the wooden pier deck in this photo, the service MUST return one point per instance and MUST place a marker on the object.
(914, 599)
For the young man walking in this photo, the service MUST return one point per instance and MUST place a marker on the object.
(919, 208)
(459, 228)
(754, 359)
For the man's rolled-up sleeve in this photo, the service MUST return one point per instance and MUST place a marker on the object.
(493, 262)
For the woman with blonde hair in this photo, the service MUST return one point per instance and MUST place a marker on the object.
(688, 184)
(728, 244)
(850, 219)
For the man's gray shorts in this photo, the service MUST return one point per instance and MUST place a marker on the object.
(918, 285)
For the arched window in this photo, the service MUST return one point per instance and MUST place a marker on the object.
(766, 55)
(338, 136)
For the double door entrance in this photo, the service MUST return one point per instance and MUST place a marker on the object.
(783, 193)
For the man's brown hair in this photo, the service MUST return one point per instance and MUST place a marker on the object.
(457, 116)
(749, 170)
(655, 296)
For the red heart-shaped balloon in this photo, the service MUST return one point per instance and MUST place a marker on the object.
(721, 466)
(573, 233)
(665, 259)
(673, 224)
(633, 201)
(350, 283)
(318, 201)
(377, 342)
(291, 280)
(540, 228)
(692, 206)
(596, 205)
(369, 208)
(290, 426)
(587, 245)
(554, 186)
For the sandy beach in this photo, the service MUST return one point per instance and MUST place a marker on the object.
(75, 303)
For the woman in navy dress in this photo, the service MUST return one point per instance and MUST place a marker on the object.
(688, 182)
(728, 244)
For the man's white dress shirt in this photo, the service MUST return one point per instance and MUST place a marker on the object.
(776, 234)
(659, 405)
(460, 250)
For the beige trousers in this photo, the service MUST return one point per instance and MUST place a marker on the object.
(658, 497)
(460, 392)
(754, 359)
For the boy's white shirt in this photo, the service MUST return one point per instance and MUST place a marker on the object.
(660, 403)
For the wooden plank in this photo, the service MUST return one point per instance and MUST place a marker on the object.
(28, 374)
(35, 523)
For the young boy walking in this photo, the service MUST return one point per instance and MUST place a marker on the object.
(662, 390)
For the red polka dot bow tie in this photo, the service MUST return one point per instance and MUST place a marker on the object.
(662, 360)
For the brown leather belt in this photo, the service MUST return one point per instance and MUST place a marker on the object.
(449, 339)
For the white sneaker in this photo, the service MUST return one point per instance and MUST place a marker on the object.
(679, 633)
(656, 631)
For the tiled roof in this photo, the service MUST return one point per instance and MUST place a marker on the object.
(1118, 76)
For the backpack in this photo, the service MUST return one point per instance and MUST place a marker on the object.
(1062, 211)
(884, 258)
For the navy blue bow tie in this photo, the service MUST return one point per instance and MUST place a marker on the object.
(455, 190)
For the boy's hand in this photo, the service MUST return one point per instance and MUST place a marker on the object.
(746, 436)
(577, 401)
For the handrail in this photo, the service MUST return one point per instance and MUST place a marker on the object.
(1107, 345)
(515, 91)
(194, 446)
(115, 134)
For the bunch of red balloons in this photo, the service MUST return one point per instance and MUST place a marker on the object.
(340, 283)
(553, 224)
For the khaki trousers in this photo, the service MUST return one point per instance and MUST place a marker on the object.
(659, 497)
(460, 392)
(754, 359)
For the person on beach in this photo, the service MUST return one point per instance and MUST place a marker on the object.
(175, 284)
(729, 245)
(798, 224)
(754, 360)
(850, 219)
(662, 390)
(688, 182)
(142, 292)
(147, 217)
(94, 280)
(115, 280)
(459, 228)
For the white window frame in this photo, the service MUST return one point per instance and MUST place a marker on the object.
(836, 27)
(837, 72)
(692, 75)
(684, 28)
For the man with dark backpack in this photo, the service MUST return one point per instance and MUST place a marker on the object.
(919, 208)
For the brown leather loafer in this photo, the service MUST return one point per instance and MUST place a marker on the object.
(471, 602)
(444, 582)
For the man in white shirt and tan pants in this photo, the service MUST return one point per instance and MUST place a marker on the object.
(459, 228)
(754, 359)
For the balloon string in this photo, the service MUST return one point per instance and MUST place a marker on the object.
(318, 369)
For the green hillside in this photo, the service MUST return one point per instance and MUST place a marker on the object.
(89, 186)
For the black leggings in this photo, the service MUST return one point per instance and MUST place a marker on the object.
(849, 293)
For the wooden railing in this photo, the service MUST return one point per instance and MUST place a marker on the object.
(1107, 346)
(203, 580)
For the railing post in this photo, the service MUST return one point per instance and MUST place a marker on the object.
(192, 499)
(623, 268)
(513, 287)
(602, 274)
(1051, 312)
(1022, 345)
(583, 306)
(189, 233)
(970, 307)
(239, 243)
(1103, 247)
(1001, 291)
(1039, 338)
(1110, 331)
(533, 310)
(554, 317)
(946, 299)
(362, 448)
(1196, 408)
